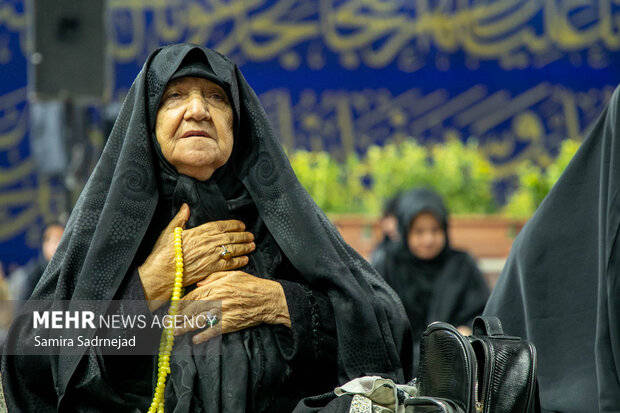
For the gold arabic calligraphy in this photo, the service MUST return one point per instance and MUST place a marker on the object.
(376, 33)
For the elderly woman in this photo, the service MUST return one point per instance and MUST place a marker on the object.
(301, 312)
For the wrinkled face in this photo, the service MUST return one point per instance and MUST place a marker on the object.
(51, 239)
(426, 236)
(194, 126)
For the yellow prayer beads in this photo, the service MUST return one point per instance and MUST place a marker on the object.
(167, 336)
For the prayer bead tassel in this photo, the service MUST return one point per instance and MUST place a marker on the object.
(167, 337)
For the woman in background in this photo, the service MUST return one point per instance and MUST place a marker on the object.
(434, 281)
(389, 229)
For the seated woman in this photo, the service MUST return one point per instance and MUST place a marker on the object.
(301, 311)
(434, 281)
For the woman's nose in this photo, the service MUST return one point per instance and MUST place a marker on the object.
(428, 238)
(197, 108)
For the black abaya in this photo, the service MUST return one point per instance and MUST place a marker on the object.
(560, 287)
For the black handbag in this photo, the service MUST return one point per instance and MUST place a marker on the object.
(487, 372)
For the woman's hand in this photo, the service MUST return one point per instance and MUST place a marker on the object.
(202, 247)
(246, 301)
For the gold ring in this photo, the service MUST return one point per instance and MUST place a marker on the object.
(225, 254)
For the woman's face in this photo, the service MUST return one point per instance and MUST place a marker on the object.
(194, 126)
(426, 236)
(51, 239)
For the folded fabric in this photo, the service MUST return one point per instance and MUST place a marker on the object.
(374, 394)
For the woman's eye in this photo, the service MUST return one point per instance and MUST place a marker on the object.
(169, 97)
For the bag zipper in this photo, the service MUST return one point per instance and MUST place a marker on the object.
(479, 406)
(478, 386)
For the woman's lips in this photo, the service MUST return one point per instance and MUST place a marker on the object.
(195, 133)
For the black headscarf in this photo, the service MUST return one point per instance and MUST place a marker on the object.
(559, 286)
(114, 225)
(448, 287)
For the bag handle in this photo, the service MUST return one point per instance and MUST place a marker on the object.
(487, 326)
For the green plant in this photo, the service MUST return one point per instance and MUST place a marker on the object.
(463, 176)
(456, 170)
(335, 187)
(535, 182)
(393, 168)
